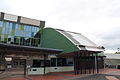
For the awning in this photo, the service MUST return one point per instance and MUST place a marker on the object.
(27, 49)
(86, 52)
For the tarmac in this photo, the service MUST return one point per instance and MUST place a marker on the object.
(104, 74)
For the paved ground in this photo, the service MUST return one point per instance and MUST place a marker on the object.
(104, 74)
(100, 77)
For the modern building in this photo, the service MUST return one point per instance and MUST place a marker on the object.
(26, 45)
(20, 44)
(112, 60)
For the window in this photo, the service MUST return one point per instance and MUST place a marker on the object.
(40, 63)
(1, 23)
(58, 62)
(22, 40)
(53, 62)
(19, 34)
(69, 62)
(61, 61)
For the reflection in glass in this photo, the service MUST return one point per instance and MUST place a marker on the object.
(18, 34)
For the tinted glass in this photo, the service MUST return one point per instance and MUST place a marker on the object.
(19, 34)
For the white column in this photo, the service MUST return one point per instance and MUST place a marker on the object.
(96, 64)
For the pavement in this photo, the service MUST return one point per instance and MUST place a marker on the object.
(104, 74)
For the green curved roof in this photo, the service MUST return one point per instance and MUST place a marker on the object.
(67, 41)
(51, 38)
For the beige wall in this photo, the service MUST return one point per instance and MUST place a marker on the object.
(62, 69)
(23, 20)
(39, 71)
(30, 21)
(10, 17)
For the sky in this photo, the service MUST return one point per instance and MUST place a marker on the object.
(99, 20)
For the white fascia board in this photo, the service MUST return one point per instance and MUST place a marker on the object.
(10, 17)
(29, 21)
(93, 48)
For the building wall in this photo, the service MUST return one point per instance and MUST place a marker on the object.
(40, 71)
(20, 30)
(62, 69)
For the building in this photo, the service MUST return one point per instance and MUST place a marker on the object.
(26, 45)
(78, 51)
(112, 60)
(20, 44)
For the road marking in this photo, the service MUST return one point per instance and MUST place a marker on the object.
(111, 78)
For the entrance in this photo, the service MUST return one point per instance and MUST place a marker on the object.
(18, 64)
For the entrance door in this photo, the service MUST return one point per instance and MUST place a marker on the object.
(18, 64)
(14, 67)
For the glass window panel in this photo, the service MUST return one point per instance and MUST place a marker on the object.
(38, 29)
(22, 33)
(13, 26)
(0, 30)
(1, 23)
(34, 28)
(2, 38)
(25, 27)
(16, 32)
(29, 34)
(4, 24)
(13, 32)
(22, 27)
(17, 39)
(10, 30)
(16, 28)
(7, 25)
(22, 40)
(3, 30)
(53, 62)
(5, 36)
(30, 28)
(32, 34)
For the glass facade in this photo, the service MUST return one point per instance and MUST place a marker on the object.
(19, 34)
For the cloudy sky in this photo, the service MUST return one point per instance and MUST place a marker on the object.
(99, 20)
